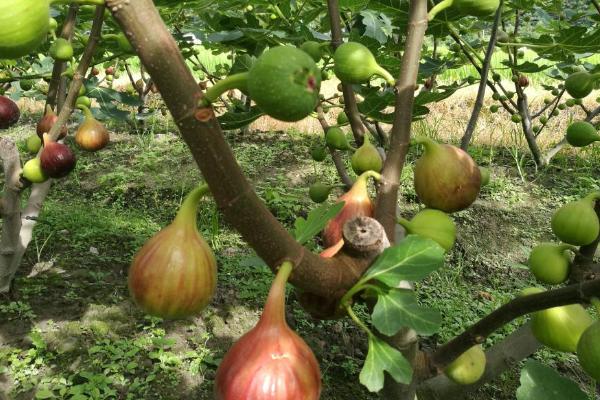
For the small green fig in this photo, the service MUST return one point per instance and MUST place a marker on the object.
(581, 134)
(318, 153)
(366, 158)
(342, 119)
(336, 139)
(550, 263)
(576, 222)
(580, 84)
(485, 176)
(61, 50)
(354, 63)
(83, 101)
(33, 172)
(432, 224)
(313, 49)
(588, 351)
(469, 367)
(34, 144)
(319, 192)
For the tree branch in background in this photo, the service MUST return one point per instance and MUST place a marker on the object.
(335, 155)
(485, 70)
(596, 5)
(358, 130)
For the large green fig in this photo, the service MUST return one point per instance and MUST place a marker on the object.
(285, 82)
(559, 328)
(174, 274)
(366, 158)
(24, 25)
(550, 263)
(432, 224)
(61, 50)
(588, 351)
(446, 177)
(354, 63)
(577, 223)
(580, 84)
(469, 367)
(336, 139)
(313, 49)
(476, 8)
(581, 134)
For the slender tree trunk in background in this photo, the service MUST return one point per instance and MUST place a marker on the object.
(523, 106)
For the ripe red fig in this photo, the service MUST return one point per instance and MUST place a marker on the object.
(9, 113)
(270, 362)
(446, 177)
(46, 123)
(174, 275)
(91, 135)
(57, 159)
(357, 204)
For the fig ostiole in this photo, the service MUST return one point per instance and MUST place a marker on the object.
(551, 263)
(432, 224)
(174, 274)
(576, 222)
(357, 203)
(57, 159)
(588, 351)
(366, 158)
(9, 112)
(559, 328)
(446, 178)
(469, 367)
(47, 121)
(91, 135)
(476, 8)
(581, 134)
(284, 82)
(270, 362)
(354, 63)
(33, 172)
(580, 84)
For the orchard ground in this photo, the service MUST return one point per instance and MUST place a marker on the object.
(72, 328)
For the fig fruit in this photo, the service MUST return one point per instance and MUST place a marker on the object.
(588, 351)
(83, 101)
(366, 158)
(285, 82)
(270, 362)
(559, 328)
(26, 84)
(432, 224)
(174, 274)
(336, 139)
(313, 49)
(469, 367)
(576, 222)
(485, 176)
(354, 63)
(318, 153)
(523, 81)
(357, 203)
(33, 144)
(319, 192)
(342, 119)
(57, 159)
(24, 25)
(446, 178)
(91, 135)
(475, 8)
(550, 263)
(581, 134)
(580, 84)
(61, 50)
(9, 112)
(46, 123)
(33, 172)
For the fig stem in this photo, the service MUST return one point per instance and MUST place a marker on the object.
(563, 247)
(382, 72)
(86, 111)
(593, 196)
(358, 321)
(236, 81)
(439, 7)
(189, 208)
(371, 174)
(275, 305)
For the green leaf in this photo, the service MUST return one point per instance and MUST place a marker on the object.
(306, 229)
(382, 357)
(44, 394)
(413, 259)
(541, 382)
(398, 308)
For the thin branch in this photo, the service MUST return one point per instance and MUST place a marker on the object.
(596, 5)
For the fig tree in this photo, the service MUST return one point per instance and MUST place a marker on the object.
(432, 224)
(366, 158)
(581, 134)
(580, 84)
(550, 263)
(354, 63)
(469, 367)
(576, 222)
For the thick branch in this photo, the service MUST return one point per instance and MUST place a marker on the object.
(523, 107)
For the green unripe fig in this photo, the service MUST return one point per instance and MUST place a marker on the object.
(576, 223)
(82, 90)
(285, 82)
(555, 92)
(496, 96)
(318, 153)
(124, 44)
(588, 351)
(502, 37)
(313, 49)
(510, 95)
(559, 328)
(580, 84)
(319, 192)
(52, 25)
(432, 224)
(555, 113)
(342, 118)
(516, 118)
(34, 144)
(61, 50)
(445, 177)
(503, 98)
(570, 103)
(83, 101)
(354, 63)
(26, 84)
(536, 128)
(32, 171)
(547, 101)
(325, 75)
(469, 367)
(543, 119)
(581, 134)
(494, 109)
(550, 263)
(485, 176)
(366, 158)
(24, 25)
(475, 8)
(562, 106)
(497, 78)
(520, 54)
(578, 101)
(336, 139)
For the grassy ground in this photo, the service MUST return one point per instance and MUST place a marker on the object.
(73, 331)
